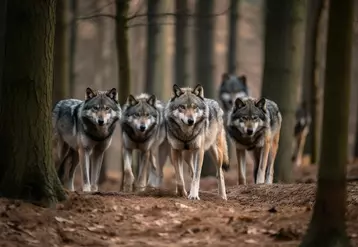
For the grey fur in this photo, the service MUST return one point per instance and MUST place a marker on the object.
(144, 111)
(82, 132)
(250, 123)
(231, 87)
(195, 124)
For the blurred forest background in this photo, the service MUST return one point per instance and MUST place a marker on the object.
(162, 42)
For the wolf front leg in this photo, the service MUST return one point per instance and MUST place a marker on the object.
(142, 176)
(177, 160)
(96, 164)
(272, 157)
(241, 166)
(128, 177)
(264, 152)
(198, 158)
(85, 165)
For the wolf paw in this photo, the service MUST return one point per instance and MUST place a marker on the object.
(225, 167)
(193, 197)
(180, 191)
(86, 188)
(95, 188)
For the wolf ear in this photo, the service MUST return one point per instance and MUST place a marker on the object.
(239, 103)
(113, 94)
(152, 99)
(131, 100)
(225, 76)
(89, 94)
(199, 91)
(177, 90)
(261, 104)
(242, 78)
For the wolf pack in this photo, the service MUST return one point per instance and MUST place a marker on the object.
(181, 129)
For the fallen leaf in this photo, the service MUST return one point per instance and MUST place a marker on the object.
(250, 241)
(95, 227)
(60, 219)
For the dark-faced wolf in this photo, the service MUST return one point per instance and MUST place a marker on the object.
(254, 125)
(143, 128)
(195, 124)
(82, 132)
(232, 87)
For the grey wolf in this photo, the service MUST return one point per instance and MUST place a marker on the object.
(254, 125)
(143, 128)
(303, 122)
(232, 87)
(195, 124)
(82, 132)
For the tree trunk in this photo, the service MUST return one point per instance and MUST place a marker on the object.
(317, 89)
(181, 43)
(26, 169)
(314, 11)
(204, 64)
(282, 72)
(61, 54)
(122, 8)
(327, 226)
(72, 44)
(3, 6)
(355, 79)
(232, 40)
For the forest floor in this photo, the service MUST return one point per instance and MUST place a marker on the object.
(253, 215)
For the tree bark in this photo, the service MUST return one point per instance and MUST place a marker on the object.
(327, 227)
(26, 170)
(204, 64)
(181, 43)
(61, 54)
(3, 6)
(232, 40)
(72, 44)
(314, 13)
(122, 8)
(282, 72)
(355, 78)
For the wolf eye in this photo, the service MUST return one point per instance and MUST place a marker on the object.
(96, 108)
(195, 107)
(181, 107)
(106, 108)
(255, 118)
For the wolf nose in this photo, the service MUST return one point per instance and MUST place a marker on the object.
(190, 121)
(249, 131)
(142, 128)
(100, 122)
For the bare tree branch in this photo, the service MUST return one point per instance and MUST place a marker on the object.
(159, 15)
(97, 16)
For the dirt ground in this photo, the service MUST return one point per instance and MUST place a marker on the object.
(254, 215)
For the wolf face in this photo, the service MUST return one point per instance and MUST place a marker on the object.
(248, 116)
(188, 104)
(141, 113)
(232, 87)
(101, 107)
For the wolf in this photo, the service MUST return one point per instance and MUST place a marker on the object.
(195, 124)
(255, 125)
(82, 132)
(302, 126)
(143, 128)
(232, 87)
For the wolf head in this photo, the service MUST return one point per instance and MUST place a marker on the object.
(232, 87)
(101, 107)
(248, 115)
(141, 112)
(187, 105)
